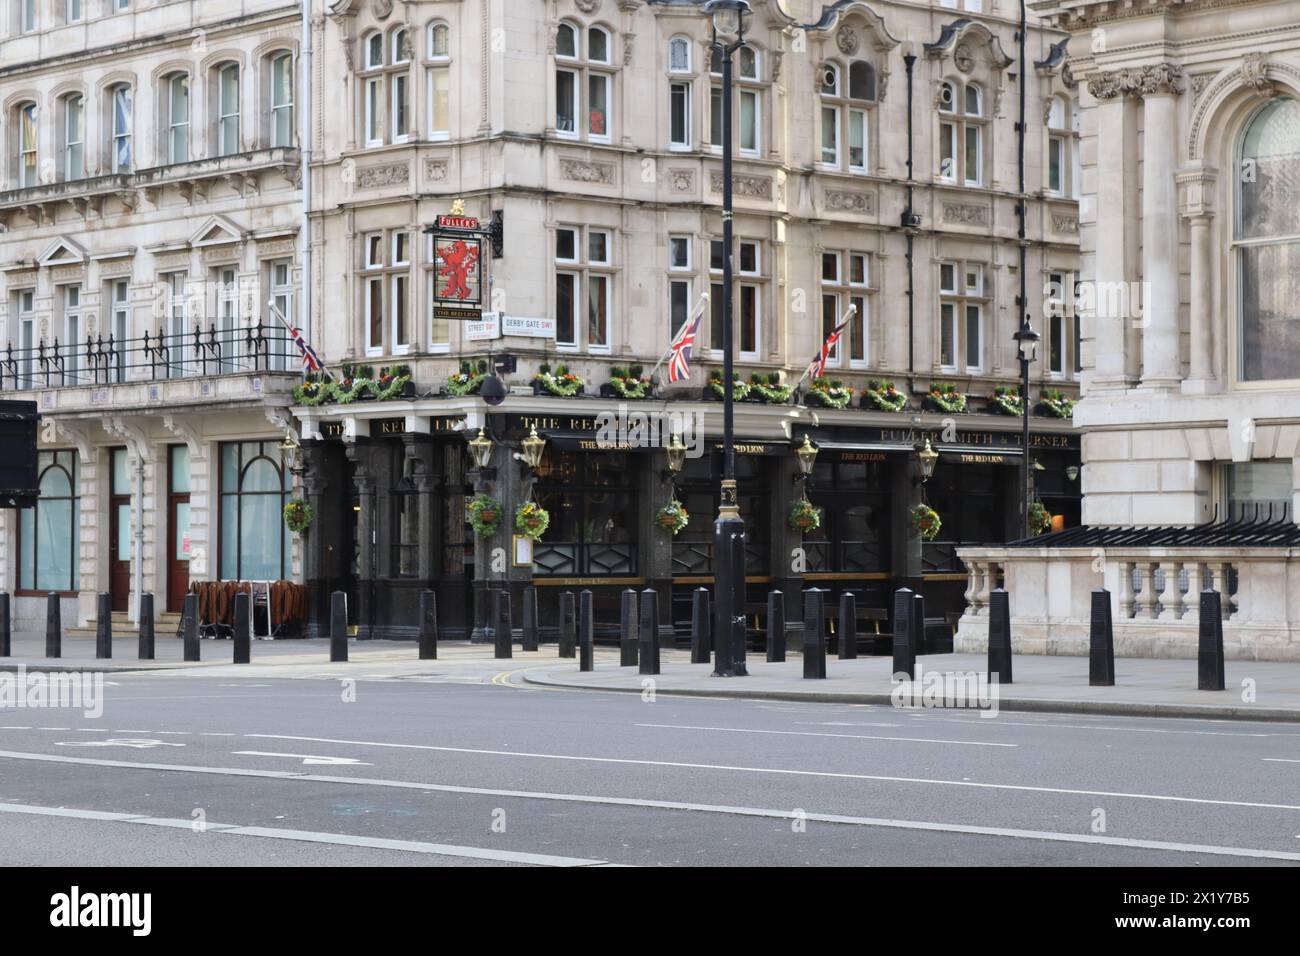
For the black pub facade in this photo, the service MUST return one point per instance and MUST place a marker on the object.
(389, 483)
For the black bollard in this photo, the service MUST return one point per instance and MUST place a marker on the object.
(243, 642)
(5, 627)
(1209, 657)
(918, 623)
(1000, 635)
(627, 639)
(502, 625)
(814, 635)
(530, 619)
(1101, 642)
(775, 627)
(338, 627)
(53, 626)
(190, 628)
(701, 638)
(428, 626)
(103, 627)
(649, 636)
(848, 627)
(586, 624)
(567, 625)
(145, 649)
(904, 651)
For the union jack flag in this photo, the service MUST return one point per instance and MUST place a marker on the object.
(679, 350)
(310, 361)
(818, 366)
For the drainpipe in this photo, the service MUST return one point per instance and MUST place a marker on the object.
(910, 61)
(305, 132)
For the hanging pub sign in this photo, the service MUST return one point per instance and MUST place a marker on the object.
(458, 266)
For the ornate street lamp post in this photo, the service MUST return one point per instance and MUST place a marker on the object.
(729, 530)
(1027, 346)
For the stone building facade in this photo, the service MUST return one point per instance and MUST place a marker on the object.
(150, 210)
(1190, 159)
(591, 130)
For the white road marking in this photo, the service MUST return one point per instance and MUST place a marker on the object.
(810, 733)
(306, 758)
(784, 772)
(1000, 722)
(309, 836)
(1094, 839)
(1279, 760)
(136, 743)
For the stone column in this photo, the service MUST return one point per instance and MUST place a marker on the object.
(1161, 336)
(1198, 188)
(1110, 269)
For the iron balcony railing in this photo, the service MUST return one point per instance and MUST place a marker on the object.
(100, 361)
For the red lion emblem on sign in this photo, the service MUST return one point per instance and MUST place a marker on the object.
(459, 259)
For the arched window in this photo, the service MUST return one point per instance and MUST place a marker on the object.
(121, 113)
(748, 112)
(844, 115)
(679, 55)
(437, 71)
(282, 126)
(1060, 137)
(584, 83)
(1265, 244)
(679, 93)
(961, 133)
(176, 91)
(227, 137)
(26, 164)
(74, 136)
(47, 537)
(255, 545)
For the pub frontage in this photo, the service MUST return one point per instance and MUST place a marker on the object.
(391, 485)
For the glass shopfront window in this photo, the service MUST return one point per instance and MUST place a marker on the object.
(970, 500)
(592, 502)
(1257, 490)
(47, 532)
(255, 544)
(698, 487)
(855, 503)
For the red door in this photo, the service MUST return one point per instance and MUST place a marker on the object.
(119, 559)
(178, 523)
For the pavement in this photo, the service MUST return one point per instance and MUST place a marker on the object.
(1256, 690)
(461, 762)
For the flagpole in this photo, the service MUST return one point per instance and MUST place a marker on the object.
(285, 322)
(699, 310)
(848, 314)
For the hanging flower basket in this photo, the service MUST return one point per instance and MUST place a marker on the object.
(297, 515)
(484, 515)
(1040, 519)
(926, 520)
(946, 398)
(885, 397)
(531, 520)
(831, 393)
(672, 517)
(1006, 401)
(804, 516)
(1054, 403)
(312, 392)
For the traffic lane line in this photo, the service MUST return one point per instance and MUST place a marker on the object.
(309, 836)
(807, 733)
(774, 771)
(743, 811)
